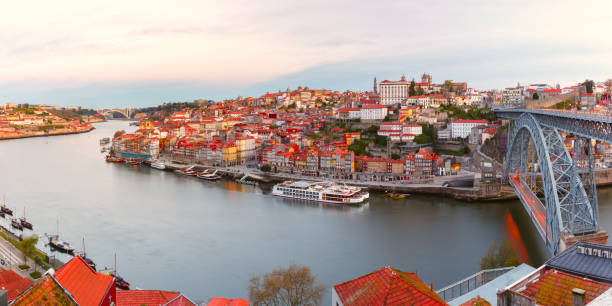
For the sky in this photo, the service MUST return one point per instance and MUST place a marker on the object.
(142, 53)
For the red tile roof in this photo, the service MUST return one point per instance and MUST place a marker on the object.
(217, 301)
(387, 286)
(87, 286)
(180, 301)
(555, 288)
(47, 291)
(13, 283)
(147, 297)
(477, 301)
(471, 121)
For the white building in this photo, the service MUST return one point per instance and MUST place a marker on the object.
(373, 112)
(349, 113)
(462, 128)
(414, 129)
(512, 96)
(388, 128)
(393, 92)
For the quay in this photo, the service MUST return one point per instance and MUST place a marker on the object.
(477, 193)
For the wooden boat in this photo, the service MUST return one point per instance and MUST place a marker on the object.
(4, 209)
(112, 159)
(205, 175)
(158, 165)
(24, 222)
(59, 245)
(16, 224)
(134, 162)
(397, 196)
(121, 283)
(86, 259)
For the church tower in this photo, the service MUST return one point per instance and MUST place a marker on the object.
(375, 87)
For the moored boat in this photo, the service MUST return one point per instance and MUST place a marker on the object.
(205, 175)
(134, 162)
(60, 245)
(158, 164)
(396, 196)
(24, 222)
(120, 282)
(16, 224)
(4, 209)
(112, 159)
(327, 192)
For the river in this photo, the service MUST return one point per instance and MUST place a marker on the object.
(208, 239)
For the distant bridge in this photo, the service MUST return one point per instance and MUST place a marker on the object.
(556, 188)
(109, 113)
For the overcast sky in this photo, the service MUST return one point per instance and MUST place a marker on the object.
(135, 53)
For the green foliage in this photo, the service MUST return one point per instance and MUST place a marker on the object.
(292, 105)
(420, 91)
(28, 246)
(35, 275)
(395, 156)
(499, 256)
(24, 267)
(411, 89)
(535, 96)
(452, 152)
(423, 139)
(372, 129)
(265, 168)
(380, 141)
(358, 147)
(472, 113)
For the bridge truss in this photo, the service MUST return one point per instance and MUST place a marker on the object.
(556, 188)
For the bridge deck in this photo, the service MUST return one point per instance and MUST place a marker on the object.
(532, 204)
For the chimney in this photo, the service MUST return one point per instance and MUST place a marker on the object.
(578, 297)
(3, 299)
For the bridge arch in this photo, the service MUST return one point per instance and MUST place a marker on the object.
(551, 178)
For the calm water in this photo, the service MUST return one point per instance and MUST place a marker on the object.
(207, 239)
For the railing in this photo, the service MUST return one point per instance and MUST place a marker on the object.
(470, 283)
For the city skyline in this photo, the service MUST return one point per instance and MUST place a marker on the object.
(146, 54)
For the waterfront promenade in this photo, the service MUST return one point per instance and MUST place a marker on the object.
(29, 134)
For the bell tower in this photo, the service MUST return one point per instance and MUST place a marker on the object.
(375, 86)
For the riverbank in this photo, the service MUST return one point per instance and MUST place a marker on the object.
(47, 133)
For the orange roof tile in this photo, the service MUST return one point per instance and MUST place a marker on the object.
(13, 283)
(87, 286)
(387, 286)
(217, 301)
(555, 288)
(147, 297)
(477, 301)
(46, 291)
(181, 300)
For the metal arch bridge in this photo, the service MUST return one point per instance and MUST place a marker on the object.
(556, 187)
(108, 112)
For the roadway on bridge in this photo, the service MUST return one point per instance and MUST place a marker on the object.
(533, 204)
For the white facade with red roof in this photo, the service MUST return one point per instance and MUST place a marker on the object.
(373, 112)
(394, 92)
(461, 128)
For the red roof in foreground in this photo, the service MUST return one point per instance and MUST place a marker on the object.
(46, 291)
(387, 286)
(555, 288)
(13, 283)
(217, 301)
(180, 301)
(87, 286)
(146, 297)
(477, 301)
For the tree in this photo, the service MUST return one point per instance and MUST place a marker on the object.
(536, 96)
(499, 256)
(39, 262)
(373, 129)
(358, 147)
(265, 168)
(423, 139)
(588, 84)
(448, 85)
(395, 156)
(119, 133)
(292, 286)
(420, 91)
(28, 246)
(411, 90)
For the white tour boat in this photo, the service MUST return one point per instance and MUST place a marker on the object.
(328, 192)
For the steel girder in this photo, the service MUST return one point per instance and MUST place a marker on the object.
(567, 204)
(596, 126)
